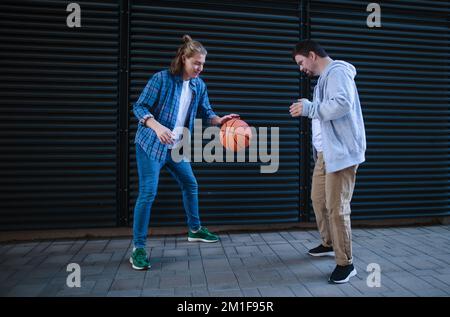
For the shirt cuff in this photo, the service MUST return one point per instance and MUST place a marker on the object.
(145, 118)
(306, 106)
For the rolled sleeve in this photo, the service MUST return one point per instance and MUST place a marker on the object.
(142, 107)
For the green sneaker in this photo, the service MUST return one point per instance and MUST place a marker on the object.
(139, 259)
(202, 235)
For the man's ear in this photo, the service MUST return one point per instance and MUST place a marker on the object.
(312, 56)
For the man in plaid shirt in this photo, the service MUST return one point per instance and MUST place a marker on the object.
(168, 103)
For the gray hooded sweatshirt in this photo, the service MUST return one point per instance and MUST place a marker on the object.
(336, 104)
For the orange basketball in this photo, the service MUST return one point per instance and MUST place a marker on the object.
(235, 135)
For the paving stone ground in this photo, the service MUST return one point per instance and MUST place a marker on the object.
(414, 261)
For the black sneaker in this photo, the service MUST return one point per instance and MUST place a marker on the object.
(342, 274)
(321, 251)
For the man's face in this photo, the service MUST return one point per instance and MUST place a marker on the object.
(193, 66)
(307, 65)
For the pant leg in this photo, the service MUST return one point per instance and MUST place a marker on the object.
(318, 201)
(183, 174)
(339, 191)
(148, 172)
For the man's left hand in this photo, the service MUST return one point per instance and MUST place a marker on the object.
(296, 109)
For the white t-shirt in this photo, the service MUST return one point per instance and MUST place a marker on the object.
(317, 135)
(185, 102)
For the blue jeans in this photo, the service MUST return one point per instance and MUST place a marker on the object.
(148, 171)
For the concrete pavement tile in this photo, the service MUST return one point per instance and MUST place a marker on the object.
(281, 291)
(151, 281)
(175, 253)
(102, 286)
(176, 266)
(218, 278)
(226, 293)
(247, 250)
(175, 281)
(264, 275)
(250, 292)
(30, 290)
(430, 293)
(84, 290)
(241, 238)
(300, 290)
(322, 289)
(127, 284)
(256, 237)
(301, 235)
(124, 293)
(198, 279)
(216, 265)
(217, 251)
(273, 237)
(158, 293)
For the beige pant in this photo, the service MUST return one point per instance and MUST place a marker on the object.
(331, 195)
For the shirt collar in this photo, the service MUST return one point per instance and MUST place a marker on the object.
(192, 83)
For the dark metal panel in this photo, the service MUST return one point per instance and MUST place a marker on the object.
(123, 145)
(403, 81)
(249, 71)
(306, 151)
(58, 115)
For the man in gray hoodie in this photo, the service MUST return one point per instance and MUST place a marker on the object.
(339, 145)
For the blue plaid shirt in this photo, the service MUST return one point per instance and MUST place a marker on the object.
(161, 98)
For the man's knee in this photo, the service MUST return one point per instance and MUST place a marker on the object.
(147, 194)
(191, 185)
(339, 211)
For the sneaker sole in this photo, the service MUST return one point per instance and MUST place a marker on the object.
(352, 273)
(137, 267)
(322, 254)
(201, 240)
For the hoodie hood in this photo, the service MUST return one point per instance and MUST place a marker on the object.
(342, 65)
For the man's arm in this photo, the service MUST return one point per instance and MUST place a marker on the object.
(339, 102)
(206, 111)
(147, 99)
(142, 111)
(209, 115)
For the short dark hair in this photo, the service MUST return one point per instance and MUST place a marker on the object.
(306, 46)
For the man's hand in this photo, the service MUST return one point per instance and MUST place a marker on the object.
(296, 109)
(165, 135)
(221, 120)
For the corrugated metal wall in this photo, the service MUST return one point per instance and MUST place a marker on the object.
(249, 71)
(67, 130)
(403, 81)
(58, 115)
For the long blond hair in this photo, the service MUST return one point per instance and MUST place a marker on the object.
(189, 48)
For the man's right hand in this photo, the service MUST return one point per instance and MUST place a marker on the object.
(165, 135)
